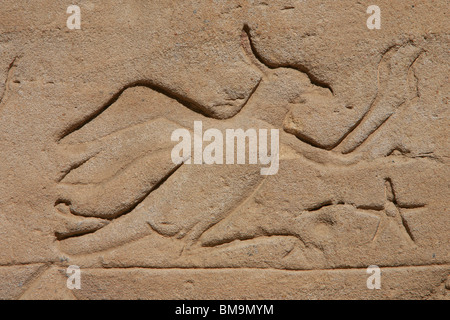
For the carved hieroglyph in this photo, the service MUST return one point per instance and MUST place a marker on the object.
(86, 169)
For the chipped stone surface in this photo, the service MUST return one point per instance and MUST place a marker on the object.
(86, 170)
